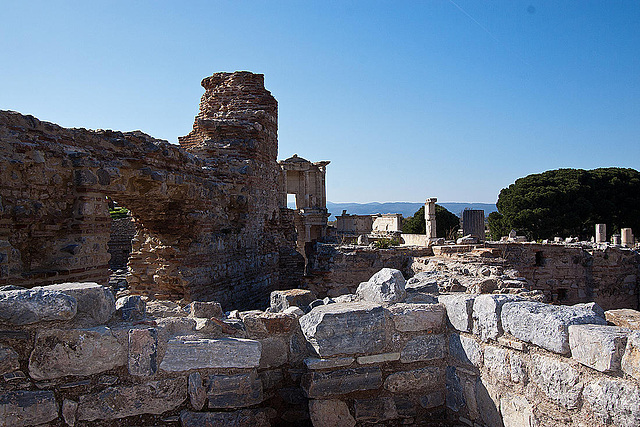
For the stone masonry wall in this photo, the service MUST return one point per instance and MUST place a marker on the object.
(119, 246)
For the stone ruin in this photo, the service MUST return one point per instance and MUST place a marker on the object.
(468, 340)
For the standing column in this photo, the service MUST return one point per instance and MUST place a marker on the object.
(430, 217)
(306, 189)
(627, 237)
(601, 233)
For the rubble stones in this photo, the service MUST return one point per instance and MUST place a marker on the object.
(330, 413)
(545, 325)
(8, 359)
(598, 346)
(69, 410)
(423, 348)
(92, 299)
(153, 397)
(234, 391)
(27, 408)
(417, 317)
(387, 286)
(131, 308)
(184, 354)
(281, 300)
(486, 315)
(349, 328)
(341, 381)
(459, 310)
(81, 352)
(23, 307)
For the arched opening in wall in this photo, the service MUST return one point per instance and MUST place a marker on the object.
(123, 229)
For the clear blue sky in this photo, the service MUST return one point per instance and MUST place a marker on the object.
(407, 99)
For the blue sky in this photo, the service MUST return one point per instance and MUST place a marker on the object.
(408, 100)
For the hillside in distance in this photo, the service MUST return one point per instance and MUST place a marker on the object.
(407, 209)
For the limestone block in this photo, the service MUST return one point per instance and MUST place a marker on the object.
(260, 325)
(425, 282)
(58, 353)
(184, 354)
(342, 381)
(465, 350)
(417, 317)
(330, 413)
(348, 328)
(624, 317)
(547, 325)
(387, 286)
(69, 411)
(234, 391)
(614, 401)
(23, 307)
(241, 418)
(598, 346)
(281, 300)
(92, 299)
(516, 411)
(631, 359)
(420, 298)
(558, 380)
(143, 352)
(378, 358)
(415, 380)
(375, 410)
(486, 315)
(160, 308)
(174, 326)
(423, 348)
(205, 309)
(496, 360)
(518, 368)
(8, 359)
(459, 310)
(131, 307)
(274, 351)
(197, 391)
(336, 362)
(153, 397)
(27, 408)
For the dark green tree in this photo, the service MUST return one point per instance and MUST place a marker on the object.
(447, 224)
(569, 202)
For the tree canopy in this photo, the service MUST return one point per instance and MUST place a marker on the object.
(569, 202)
(446, 223)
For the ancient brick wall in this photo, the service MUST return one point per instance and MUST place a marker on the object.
(119, 246)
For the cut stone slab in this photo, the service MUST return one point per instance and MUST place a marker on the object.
(281, 300)
(27, 408)
(459, 310)
(624, 318)
(330, 413)
(378, 358)
(261, 325)
(418, 317)
(486, 315)
(184, 354)
(342, 381)
(423, 348)
(387, 286)
(375, 410)
(234, 391)
(241, 418)
(614, 401)
(82, 352)
(8, 359)
(143, 352)
(92, 299)
(558, 380)
(545, 325)
(24, 307)
(336, 362)
(429, 378)
(154, 397)
(348, 328)
(131, 307)
(496, 360)
(205, 309)
(598, 346)
(465, 350)
(274, 351)
(631, 359)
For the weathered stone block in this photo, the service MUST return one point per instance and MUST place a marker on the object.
(184, 354)
(455, 393)
(375, 410)
(631, 359)
(558, 380)
(342, 381)
(418, 317)
(459, 310)
(486, 315)
(624, 318)
(274, 351)
(143, 352)
(234, 391)
(516, 411)
(260, 325)
(281, 300)
(23, 307)
(27, 408)
(547, 325)
(496, 360)
(8, 359)
(384, 287)
(205, 309)
(241, 418)
(330, 413)
(415, 380)
(197, 391)
(598, 346)
(465, 350)
(69, 411)
(92, 299)
(614, 401)
(348, 328)
(425, 282)
(58, 353)
(432, 400)
(154, 397)
(423, 348)
(336, 362)
(131, 307)
(378, 358)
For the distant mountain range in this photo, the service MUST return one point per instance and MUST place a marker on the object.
(407, 209)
